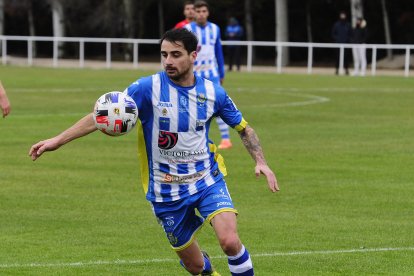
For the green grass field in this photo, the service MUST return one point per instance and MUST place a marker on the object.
(342, 148)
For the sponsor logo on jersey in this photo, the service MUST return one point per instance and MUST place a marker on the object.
(167, 140)
(220, 196)
(164, 123)
(181, 154)
(164, 104)
(173, 239)
(183, 104)
(168, 178)
(200, 125)
(169, 221)
(201, 98)
(215, 173)
(223, 203)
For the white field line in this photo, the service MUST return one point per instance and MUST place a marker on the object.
(323, 89)
(309, 100)
(291, 92)
(148, 261)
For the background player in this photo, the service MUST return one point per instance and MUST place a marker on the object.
(210, 61)
(188, 14)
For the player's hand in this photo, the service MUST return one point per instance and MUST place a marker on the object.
(271, 178)
(221, 82)
(47, 145)
(5, 106)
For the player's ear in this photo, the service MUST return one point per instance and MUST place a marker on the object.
(193, 56)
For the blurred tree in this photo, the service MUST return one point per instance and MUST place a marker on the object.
(1, 23)
(282, 27)
(32, 29)
(306, 20)
(357, 11)
(1, 18)
(249, 24)
(160, 18)
(309, 21)
(248, 20)
(142, 11)
(129, 26)
(387, 31)
(58, 19)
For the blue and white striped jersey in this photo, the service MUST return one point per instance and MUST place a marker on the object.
(174, 121)
(210, 61)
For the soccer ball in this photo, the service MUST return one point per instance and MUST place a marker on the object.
(115, 113)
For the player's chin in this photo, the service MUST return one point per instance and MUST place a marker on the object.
(173, 74)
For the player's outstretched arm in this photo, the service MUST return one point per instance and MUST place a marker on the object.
(81, 128)
(251, 142)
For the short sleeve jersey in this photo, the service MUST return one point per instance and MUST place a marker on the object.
(174, 121)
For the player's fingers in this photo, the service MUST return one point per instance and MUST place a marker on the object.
(31, 150)
(275, 186)
(257, 172)
(271, 183)
(40, 150)
(33, 156)
(35, 151)
(271, 180)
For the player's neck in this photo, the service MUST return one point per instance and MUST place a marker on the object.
(202, 24)
(186, 81)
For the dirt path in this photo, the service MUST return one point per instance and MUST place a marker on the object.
(99, 64)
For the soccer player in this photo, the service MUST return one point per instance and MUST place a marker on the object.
(188, 14)
(210, 61)
(180, 169)
(4, 101)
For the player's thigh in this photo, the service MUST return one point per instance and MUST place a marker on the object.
(224, 224)
(191, 255)
(217, 207)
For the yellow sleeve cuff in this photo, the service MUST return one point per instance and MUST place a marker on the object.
(242, 125)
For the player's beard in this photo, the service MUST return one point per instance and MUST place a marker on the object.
(177, 76)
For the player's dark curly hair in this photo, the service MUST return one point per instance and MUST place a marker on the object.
(183, 35)
(200, 3)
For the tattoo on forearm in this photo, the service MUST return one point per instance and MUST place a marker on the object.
(252, 144)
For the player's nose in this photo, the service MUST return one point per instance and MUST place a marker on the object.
(168, 59)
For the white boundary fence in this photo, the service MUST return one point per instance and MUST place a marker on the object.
(249, 44)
